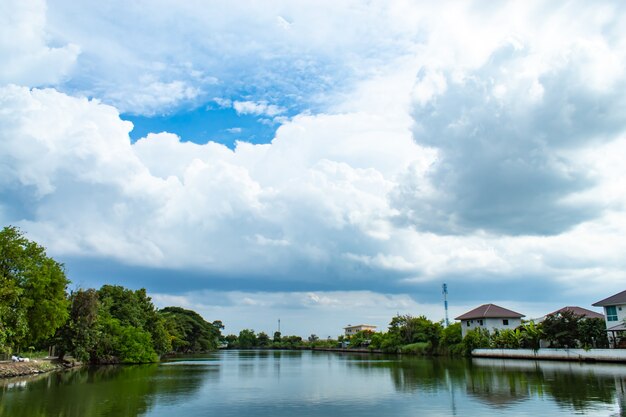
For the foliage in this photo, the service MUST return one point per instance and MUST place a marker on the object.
(189, 332)
(477, 338)
(33, 301)
(592, 333)
(506, 339)
(247, 339)
(562, 329)
(531, 335)
(79, 336)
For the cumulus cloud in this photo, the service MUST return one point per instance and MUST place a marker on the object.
(487, 160)
(27, 56)
(504, 133)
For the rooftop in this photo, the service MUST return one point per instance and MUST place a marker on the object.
(579, 311)
(489, 311)
(619, 298)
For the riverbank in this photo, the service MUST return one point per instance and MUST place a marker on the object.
(34, 367)
(576, 355)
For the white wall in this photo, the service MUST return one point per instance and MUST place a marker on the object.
(621, 315)
(489, 324)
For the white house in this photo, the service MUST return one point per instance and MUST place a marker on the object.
(350, 330)
(490, 317)
(614, 314)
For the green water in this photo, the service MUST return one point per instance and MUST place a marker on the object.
(303, 384)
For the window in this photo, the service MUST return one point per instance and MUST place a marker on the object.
(468, 323)
(505, 322)
(480, 322)
(611, 313)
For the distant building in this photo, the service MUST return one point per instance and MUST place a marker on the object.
(350, 330)
(615, 313)
(490, 317)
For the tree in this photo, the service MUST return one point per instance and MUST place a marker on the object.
(247, 339)
(79, 335)
(277, 337)
(33, 299)
(263, 339)
(592, 333)
(562, 329)
(189, 332)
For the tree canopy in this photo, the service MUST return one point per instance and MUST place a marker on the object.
(33, 299)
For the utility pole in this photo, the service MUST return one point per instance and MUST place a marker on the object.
(444, 290)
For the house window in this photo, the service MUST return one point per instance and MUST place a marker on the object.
(468, 323)
(480, 322)
(505, 322)
(611, 313)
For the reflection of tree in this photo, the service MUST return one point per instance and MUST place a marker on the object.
(571, 385)
(417, 373)
(104, 391)
(579, 390)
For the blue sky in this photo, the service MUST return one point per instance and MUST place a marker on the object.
(320, 162)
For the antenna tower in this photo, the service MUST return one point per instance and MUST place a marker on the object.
(444, 290)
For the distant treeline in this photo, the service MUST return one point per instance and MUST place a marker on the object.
(110, 325)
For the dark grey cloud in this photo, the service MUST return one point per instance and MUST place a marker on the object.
(502, 140)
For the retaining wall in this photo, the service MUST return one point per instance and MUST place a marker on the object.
(581, 355)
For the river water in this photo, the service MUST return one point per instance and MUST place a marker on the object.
(304, 384)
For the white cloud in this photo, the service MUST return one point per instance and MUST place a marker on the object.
(27, 57)
(436, 158)
(257, 108)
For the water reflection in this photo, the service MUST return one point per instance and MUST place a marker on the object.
(307, 384)
(102, 391)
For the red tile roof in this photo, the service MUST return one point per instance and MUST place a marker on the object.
(489, 311)
(579, 311)
(619, 298)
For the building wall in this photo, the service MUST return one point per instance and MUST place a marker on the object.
(621, 315)
(349, 331)
(489, 324)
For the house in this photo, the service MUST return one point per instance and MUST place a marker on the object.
(614, 313)
(579, 311)
(490, 317)
(350, 330)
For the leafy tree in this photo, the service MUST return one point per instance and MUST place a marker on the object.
(531, 335)
(477, 338)
(562, 329)
(247, 339)
(277, 337)
(33, 300)
(189, 332)
(592, 333)
(263, 340)
(79, 335)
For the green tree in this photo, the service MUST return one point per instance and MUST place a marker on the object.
(247, 339)
(531, 335)
(263, 339)
(33, 299)
(477, 338)
(277, 337)
(592, 333)
(79, 335)
(562, 329)
(189, 332)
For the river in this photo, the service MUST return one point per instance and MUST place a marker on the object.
(306, 384)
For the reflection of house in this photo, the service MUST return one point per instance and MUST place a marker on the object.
(615, 313)
(350, 330)
(490, 317)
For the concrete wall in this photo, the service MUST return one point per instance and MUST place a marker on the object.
(600, 355)
(489, 324)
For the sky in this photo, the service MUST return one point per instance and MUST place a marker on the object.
(319, 162)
